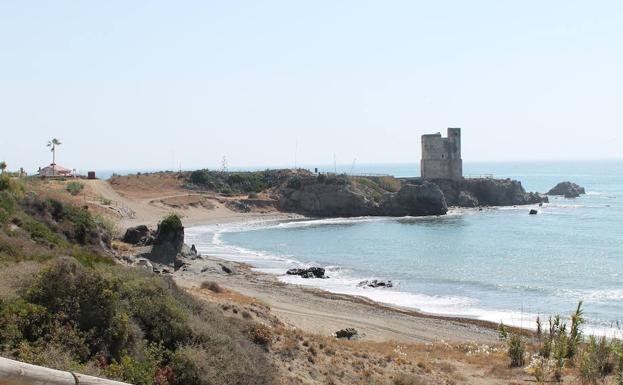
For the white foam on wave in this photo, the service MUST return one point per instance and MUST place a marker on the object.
(603, 296)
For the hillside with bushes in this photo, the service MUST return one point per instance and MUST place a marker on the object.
(66, 303)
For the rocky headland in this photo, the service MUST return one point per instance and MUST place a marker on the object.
(342, 196)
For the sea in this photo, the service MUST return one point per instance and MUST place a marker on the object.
(498, 264)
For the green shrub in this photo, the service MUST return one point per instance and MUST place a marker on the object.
(234, 182)
(203, 177)
(42, 233)
(171, 224)
(84, 298)
(74, 188)
(516, 351)
(575, 333)
(140, 372)
(10, 185)
(129, 325)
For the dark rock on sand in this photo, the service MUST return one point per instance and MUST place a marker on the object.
(139, 235)
(375, 283)
(312, 272)
(348, 333)
(567, 189)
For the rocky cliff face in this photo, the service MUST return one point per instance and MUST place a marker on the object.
(341, 197)
(487, 192)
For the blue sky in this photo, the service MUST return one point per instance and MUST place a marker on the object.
(131, 84)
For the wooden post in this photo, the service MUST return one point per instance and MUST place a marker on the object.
(18, 373)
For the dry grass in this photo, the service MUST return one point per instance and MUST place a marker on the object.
(16, 277)
(212, 286)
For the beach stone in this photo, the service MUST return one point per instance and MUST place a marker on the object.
(534, 211)
(567, 189)
(312, 272)
(375, 283)
(348, 333)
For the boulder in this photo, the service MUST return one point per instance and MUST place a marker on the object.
(348, 333)
(312, 272)
(168, 243)
(375, 283)
(534, 211)
(139, 235)
(567, 189)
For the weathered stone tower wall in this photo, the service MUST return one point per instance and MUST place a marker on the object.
(441, 157)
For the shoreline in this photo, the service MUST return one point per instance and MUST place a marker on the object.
(264, 266)
(298, 304)
(323, 312)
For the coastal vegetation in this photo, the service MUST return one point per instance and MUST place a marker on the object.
(234, 182)
(65, 303)
(74, 188)
(562, 350)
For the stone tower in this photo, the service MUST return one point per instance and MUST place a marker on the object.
(441, 157)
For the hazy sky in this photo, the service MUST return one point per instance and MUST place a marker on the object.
(131, 84)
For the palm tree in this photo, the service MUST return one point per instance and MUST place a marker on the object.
(3, 166)
(52, 144)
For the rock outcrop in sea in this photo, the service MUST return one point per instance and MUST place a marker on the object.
(567, 189)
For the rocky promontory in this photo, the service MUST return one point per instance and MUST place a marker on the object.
(342, 196)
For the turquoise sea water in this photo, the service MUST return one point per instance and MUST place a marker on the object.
(499, 264)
